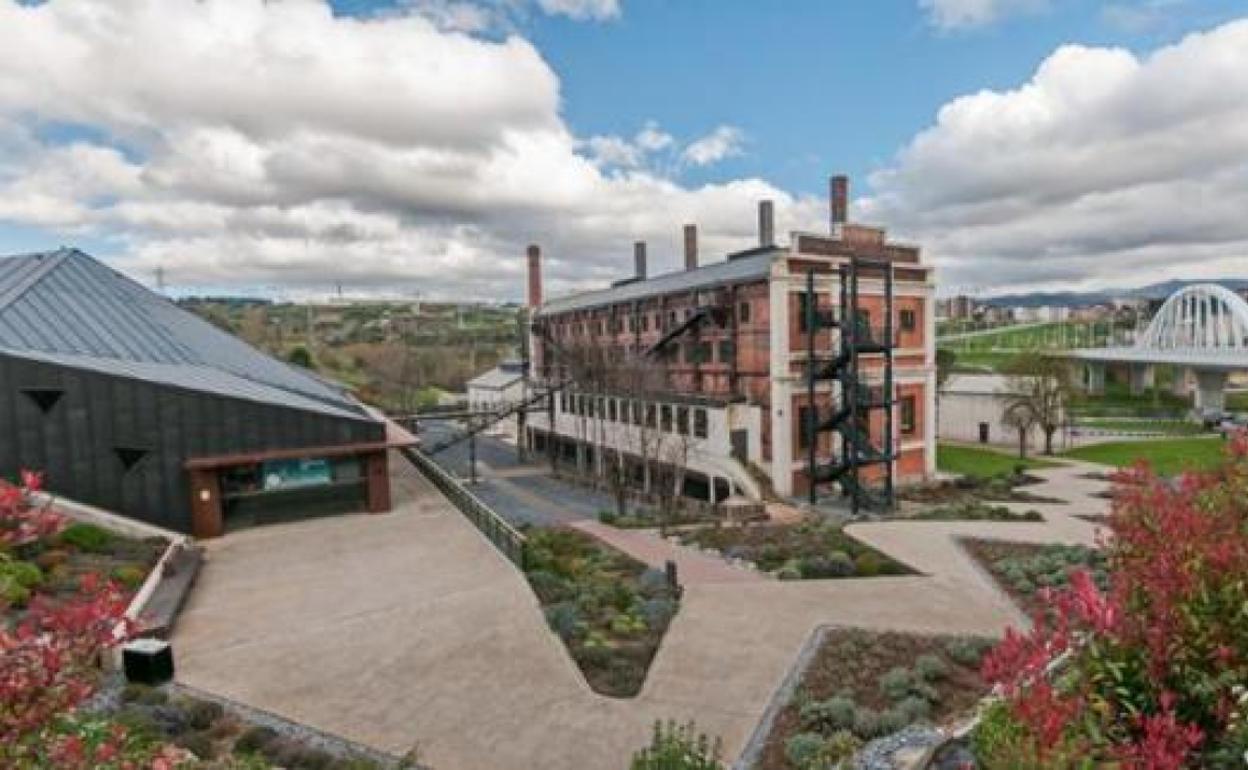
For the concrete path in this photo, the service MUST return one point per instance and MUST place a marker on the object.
(408, 629)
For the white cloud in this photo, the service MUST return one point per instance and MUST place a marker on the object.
(582, 9)
(963, 14)
(723, 142)
(1104, 168)
(251, 143)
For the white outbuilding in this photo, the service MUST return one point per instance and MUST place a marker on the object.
(971, 409)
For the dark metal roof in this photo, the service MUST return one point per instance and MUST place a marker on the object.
(756, 263)
(67, 308)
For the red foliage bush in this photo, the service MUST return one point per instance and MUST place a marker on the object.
(1149, 675)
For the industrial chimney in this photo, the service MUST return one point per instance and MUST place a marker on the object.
(691, 247)
(535, 275)
(766, 223)
(639, 260)
(839, 199)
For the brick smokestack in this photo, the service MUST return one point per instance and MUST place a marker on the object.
(535, 275)
(839, 199)
(766, 223)
(691, 247)
(639, 260)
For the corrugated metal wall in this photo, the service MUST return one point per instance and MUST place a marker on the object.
(75, 442)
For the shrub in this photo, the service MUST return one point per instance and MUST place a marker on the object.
(653, 582)
(87, 537)
(967, 650)
(658, 613)
(790, 570)
(1149, 662)
(867, 724)
(17, 578)
(549, 587)
(827, 716)
(131, 576)
(200, 714)
(868, 564)
(835, 565)
(915, 708)
(897, 683)
(930, 667)
(677, 747)
(894, 719)
(197, 743)
(255, 739)
(608, 517)
(804, 751)
(565, 620)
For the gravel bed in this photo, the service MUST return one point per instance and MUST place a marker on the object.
(879, 753)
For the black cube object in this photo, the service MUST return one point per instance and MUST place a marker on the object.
(147, 661)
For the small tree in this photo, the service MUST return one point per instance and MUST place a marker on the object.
(299, 356)
(1040, 384)
(678, 747)
(1017, 414)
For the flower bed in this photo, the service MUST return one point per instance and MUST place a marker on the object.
(862, 685)
(609, 609)
(648, 518)
(1001, 488)
(1025, 570)
(806, 550)
(975, 510)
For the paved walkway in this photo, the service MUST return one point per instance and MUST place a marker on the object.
(408, 629)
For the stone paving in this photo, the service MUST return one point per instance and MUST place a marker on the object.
(408, 629)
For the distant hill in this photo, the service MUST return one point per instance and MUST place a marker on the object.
(1084, 298)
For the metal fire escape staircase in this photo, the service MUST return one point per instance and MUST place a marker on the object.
(856, 399)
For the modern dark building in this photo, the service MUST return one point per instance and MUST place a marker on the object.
(127, 402)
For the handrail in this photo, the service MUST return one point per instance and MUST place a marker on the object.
(506, 538)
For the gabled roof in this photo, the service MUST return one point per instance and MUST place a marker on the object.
(65, 307)
(755, 263)
(496, 379)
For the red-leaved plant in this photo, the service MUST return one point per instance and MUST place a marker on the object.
(1145, 675)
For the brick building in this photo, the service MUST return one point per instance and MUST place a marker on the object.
(712, 359)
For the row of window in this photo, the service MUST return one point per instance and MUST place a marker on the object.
(641, 322)
(906, 317)
(907, 414)
(627, 411)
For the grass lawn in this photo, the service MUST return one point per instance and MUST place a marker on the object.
(1124, 425)
(1167, 456)
(972, 461)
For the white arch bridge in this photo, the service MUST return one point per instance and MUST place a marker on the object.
(1202, 330)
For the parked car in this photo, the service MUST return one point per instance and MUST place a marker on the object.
(1234, 423)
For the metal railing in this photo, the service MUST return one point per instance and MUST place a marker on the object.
(506, 538)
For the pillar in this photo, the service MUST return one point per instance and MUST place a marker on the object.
(377, 477)
(1142, 378)
(207, 519)
(1179, 386)
(1094, 377)
(1210, 390)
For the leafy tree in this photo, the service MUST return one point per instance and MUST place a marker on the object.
(1038, 386)
(299, 356)
(946, 359)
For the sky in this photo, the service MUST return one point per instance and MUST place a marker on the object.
(415, 147)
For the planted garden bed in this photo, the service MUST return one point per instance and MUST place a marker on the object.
(648, 518)
(1023, 569)
(53, 566)
(863, 685)
(975, 510)
(1001, 488)
(807, 550)
(609, 609)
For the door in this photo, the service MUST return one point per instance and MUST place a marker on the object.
(983, 433)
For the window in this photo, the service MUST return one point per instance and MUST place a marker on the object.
(637, 413)
(589, 407)
(907, 320)
(727, 351)
(650, 410)
(632, 324)
(665, 419)
(613, 416)
(704, 353)
(682, 420)
(909, 417)
(671, 319)
(699, 423)
(600, 407)
(44, 399)
(563, 402)
(804, 416)
(743, 313)
(803, 307)
(129, 456)
(645, 323)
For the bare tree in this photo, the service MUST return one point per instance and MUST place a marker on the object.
(1017, 414)
(1042, 385)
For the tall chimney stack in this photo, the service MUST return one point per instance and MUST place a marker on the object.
(839, 189)
(639, 260)
(535, 275)
(691, 247)
(766, 223)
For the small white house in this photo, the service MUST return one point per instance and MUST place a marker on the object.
(971, 409)
(498, 388)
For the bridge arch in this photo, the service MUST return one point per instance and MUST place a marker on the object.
(1202, 316)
